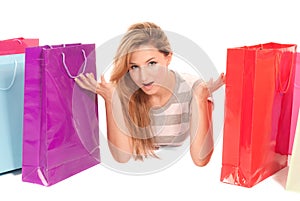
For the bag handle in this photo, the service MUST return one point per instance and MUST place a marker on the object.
(19, 40)
(12, 80)
(67, 68)
(277, 60)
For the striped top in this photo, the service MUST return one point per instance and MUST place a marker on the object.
(170, 124)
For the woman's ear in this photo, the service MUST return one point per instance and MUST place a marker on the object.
(169, 58)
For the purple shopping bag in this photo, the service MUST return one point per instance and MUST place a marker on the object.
(61, 130)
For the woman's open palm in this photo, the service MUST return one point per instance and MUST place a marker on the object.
(105, 89)
(88, 82)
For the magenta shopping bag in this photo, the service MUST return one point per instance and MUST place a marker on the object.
(296, 103)
(61, 130)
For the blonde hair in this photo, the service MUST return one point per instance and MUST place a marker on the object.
(135, 103)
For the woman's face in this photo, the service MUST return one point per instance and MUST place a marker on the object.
(148, 68)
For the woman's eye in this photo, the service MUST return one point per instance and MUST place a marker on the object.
(133, 67)
(152, 63)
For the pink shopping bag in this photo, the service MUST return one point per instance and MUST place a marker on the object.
(296, 104)
(17, 45)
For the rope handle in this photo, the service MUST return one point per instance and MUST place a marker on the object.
(13, 79)
(19, 41)
(277, 63)
(67, 68)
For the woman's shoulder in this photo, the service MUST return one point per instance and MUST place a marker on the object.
(190, 79)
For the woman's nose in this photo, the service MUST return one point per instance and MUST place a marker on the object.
(143, 74)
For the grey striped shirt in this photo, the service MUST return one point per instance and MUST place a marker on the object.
(170, 124)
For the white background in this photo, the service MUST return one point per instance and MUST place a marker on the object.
(214, 25)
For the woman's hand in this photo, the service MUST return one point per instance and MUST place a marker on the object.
(215, 85)
(105, 89)
(205, 89)
(89, 83)
(202, 92)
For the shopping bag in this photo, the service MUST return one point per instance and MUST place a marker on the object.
(257, 112)
(11, 111)
(296, 103)
(293, 177)
(61, 130)
(17, 45)
(11, 101)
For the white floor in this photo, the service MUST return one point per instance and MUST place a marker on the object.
(180, 181)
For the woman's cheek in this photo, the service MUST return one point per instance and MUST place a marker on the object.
(135, 77)
(160, 75)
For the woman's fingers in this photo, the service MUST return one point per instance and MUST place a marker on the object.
(91, 79)
(220, 81)
(80, 83)
(215, 85)
(103, 79)
(87, 82)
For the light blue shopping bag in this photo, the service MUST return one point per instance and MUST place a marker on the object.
(11, 111)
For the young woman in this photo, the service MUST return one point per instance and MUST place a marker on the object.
(149, 106)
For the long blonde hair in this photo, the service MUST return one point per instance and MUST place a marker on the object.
(135, 103)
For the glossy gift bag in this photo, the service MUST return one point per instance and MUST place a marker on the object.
(11, 111)
(296, 103)
(258, 99)
(16, 45)
(61, 130)
(12, 60)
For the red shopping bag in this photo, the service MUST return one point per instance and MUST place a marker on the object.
(257, 112)
(16, 45)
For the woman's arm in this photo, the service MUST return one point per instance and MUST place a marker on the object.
(202, 144)
(119, 143)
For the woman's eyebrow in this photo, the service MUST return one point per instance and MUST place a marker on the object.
(132, 63)
(150, 59)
